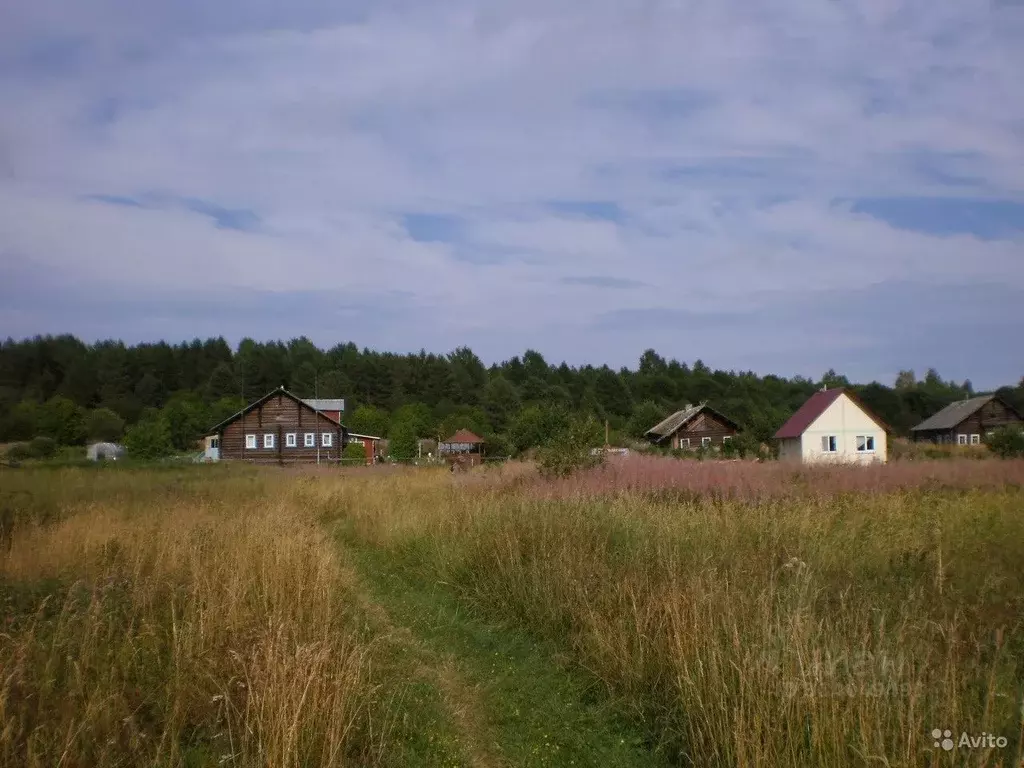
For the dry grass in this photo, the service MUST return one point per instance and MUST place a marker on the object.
(830, 619)
(180, 620)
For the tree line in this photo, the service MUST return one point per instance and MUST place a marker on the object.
(66, 390)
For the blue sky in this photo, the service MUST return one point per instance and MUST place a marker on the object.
(781, 186)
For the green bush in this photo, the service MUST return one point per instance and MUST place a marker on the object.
(42, 447)
(1007, 442)
(354, 452)
(18, 452)
(148, 439)
(569, 449)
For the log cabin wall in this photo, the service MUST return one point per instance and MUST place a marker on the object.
(278, 416)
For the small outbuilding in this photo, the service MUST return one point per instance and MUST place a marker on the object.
(833, 427)
(104, 452)
(464, 447)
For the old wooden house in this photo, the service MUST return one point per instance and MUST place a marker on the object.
(967, 422)
(279, 428)
(695, 426)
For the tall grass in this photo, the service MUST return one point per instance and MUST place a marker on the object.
(831, 621)
(176, 620)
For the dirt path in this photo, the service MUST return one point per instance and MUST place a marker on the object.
(504, 698)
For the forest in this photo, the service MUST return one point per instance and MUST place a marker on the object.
(70, 391)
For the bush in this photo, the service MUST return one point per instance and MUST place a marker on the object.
(104, 425)
(569, 449)
(42, 447)
(1007, 442)
(148, 439)
(354, 452)
(18, 452)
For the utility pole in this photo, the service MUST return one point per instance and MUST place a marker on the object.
(316, 399)
(606, 446)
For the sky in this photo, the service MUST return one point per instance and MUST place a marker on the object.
(784, 186)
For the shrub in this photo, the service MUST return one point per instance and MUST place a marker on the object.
(19, 452)
(1007, 442)
(354, 452)
(42, 447)
(104, 425)
(569, 449)
(148, 439)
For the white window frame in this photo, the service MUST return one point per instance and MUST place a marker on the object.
(309, 440)
(291, 440)
(705, 442)
(326, 439)
(726, 438)
(830, 444)
(215, 442)
(268, 440)
(684, 442)
(865, 443)
(975, 439)
(250, 442)
(961, 439)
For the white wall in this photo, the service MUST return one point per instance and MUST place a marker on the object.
(846, 421)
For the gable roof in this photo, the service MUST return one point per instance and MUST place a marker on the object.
(816, 405)
(464, 436)
(680, 418)
(954, 413)
(257, 403)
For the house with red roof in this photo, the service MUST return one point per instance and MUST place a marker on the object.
(833, 426)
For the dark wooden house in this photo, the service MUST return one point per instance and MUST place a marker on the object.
(695, 426)
(279, 428)
(967, 422)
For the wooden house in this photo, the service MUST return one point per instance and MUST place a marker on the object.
(833, 427)
(967, 422)
(279, 428)
(463, 448)
(695, 426)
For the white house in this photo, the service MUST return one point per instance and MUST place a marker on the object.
(832, 426)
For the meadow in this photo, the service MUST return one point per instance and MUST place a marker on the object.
(645, 612)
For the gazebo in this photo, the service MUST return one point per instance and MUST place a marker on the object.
(463, 447)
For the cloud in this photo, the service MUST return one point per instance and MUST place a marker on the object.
(509, 174)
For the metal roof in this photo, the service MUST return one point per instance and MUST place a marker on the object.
(806, 414)
(953, 414)
(325, 403)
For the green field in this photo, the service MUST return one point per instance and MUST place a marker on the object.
(673, 613)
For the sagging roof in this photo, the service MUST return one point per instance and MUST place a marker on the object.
(954, 413)
(816, 405)
(680, 418)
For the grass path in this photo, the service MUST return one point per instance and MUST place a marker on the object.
(503, 699)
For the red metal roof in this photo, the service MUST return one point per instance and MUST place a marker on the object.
(807, 413)
(464, 436)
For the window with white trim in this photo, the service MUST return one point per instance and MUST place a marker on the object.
(705, 442)
(684, 442)
(327, 439)
(268, 440)
(309, 440)
(726, 438)
(250, 442)
(961, 439)
(975, 439)
(291, 440)
(865, 443)
(829, 444)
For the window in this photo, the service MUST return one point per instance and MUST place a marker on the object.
(975, 439)
(684, 442)
(865, 443)
(215, 442)
(829, 444)
(726, 438)
(250, 442)
(291, 440)
(326, 439)
(705, 442)
(309, 440)
(961, 439)
(268, 440)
